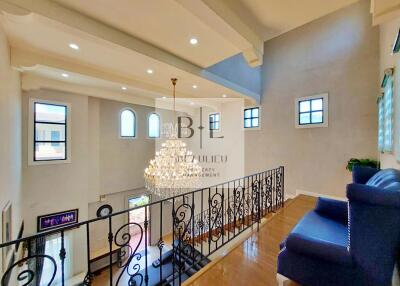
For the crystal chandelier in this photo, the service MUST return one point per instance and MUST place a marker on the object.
(174, 170)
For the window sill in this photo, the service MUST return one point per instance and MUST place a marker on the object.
(53, 162)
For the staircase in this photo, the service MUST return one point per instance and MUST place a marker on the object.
(201, 222)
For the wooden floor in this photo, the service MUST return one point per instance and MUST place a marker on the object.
(254, 261)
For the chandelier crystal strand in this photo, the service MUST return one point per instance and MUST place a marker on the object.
(174, 170)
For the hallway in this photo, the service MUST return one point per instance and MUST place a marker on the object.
(253, 262)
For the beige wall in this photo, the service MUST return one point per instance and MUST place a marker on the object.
(122, 161)
(10, 140)
(338, 54)
(388, 33)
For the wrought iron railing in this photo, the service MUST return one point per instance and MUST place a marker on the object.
(175, 240)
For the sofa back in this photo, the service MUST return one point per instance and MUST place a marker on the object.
(388, 179)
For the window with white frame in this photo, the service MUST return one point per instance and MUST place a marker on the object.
(388, 116)
(251, 117)
(127, 124)
(49, 131)
(312, 111)
(381, 119)
(214, 120)
(153, 125)
(386, 113)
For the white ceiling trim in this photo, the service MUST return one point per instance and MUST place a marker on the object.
(34, 82)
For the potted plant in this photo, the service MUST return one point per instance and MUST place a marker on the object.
(362, 162)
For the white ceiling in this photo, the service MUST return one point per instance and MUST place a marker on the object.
(164, 23)
(50, 39)
(274, 17)
(42, 31)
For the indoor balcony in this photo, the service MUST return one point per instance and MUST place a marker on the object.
(177, 238)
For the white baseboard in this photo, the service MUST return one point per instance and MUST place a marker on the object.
(289, 196)
(312, 194)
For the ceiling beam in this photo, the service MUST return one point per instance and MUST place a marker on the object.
(26, 60)
(222, 19)
(384, 10)
(52, 10)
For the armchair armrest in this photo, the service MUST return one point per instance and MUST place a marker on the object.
(361, 174)
(334, 209)
(373, 195)
(319, 249)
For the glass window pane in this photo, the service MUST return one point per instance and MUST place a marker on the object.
(254, 122)
(216, 126)
(50, 113)
(49, 132)
(304, 106)
(154, 125)
(316, 104)
(304, 118)
(217, 117)
(247, 113)
(254, 112)
(316, 117)
(247, 123)
(48, 151)
(127, 123)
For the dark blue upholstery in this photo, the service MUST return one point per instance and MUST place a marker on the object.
(348, 243)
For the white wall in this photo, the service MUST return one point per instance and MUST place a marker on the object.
(10, 136)
(58, 187)
(338, 54)
(388, 34)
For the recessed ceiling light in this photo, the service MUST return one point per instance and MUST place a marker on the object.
(191, 103)
(194, 86)
(224, 95)
(65, 75)
(124, 88)
(164, 97)
(149, 71)
(74, 46)
(194, 41)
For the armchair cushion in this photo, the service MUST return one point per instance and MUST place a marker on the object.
(334, 209)
(320, 237)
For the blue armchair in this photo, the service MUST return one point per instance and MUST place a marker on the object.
(348, 243)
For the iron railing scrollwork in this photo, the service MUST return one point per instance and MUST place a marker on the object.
(179, 240)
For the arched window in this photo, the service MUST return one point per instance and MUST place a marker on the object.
(127, 124)
(154, 125)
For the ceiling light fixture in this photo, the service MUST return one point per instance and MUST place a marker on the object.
(74, 46)
(124, 88)
(194, 86)
(164, 97)
(65, 75)
(224, 95)
(194, 41)
(174, 170)
(191, 103)
(149, 71)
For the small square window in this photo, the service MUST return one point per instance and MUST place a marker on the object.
(214, 121)
(312, 111)
(252, 117)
